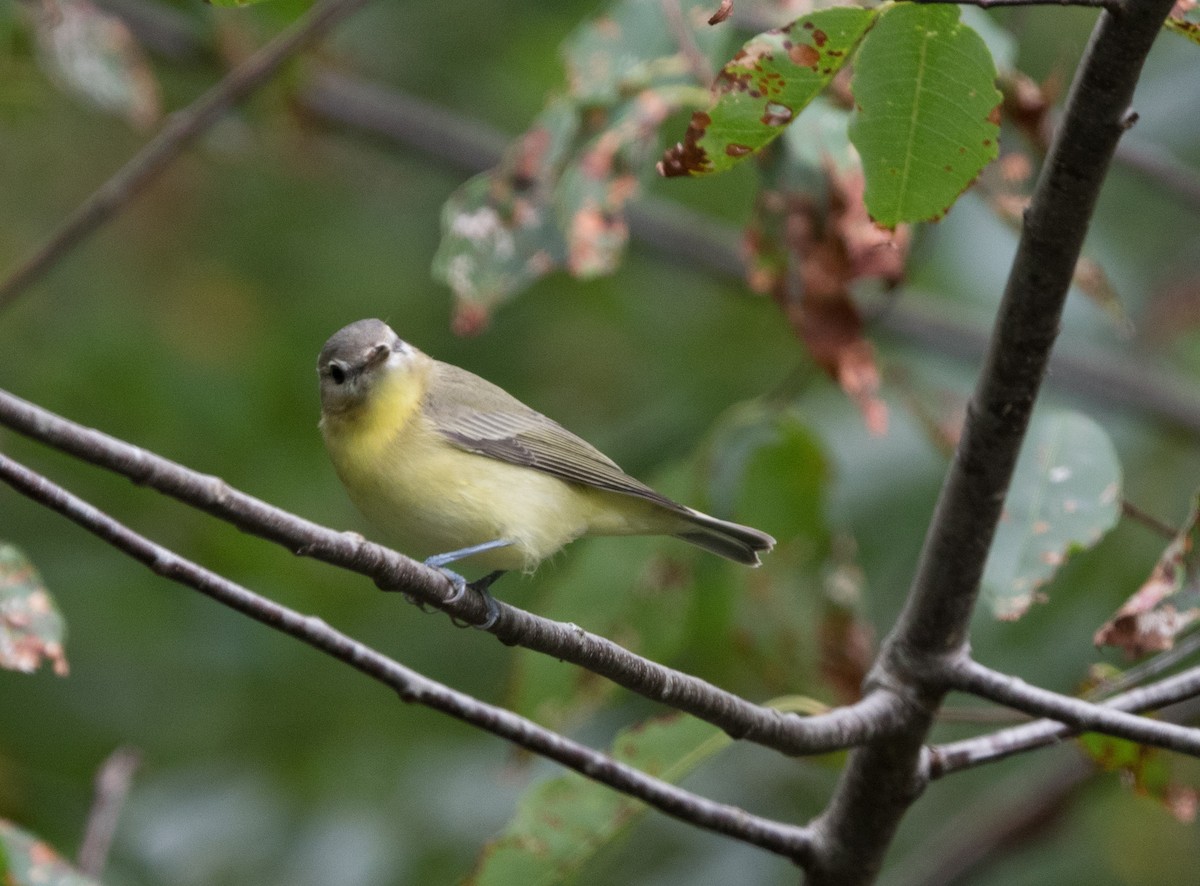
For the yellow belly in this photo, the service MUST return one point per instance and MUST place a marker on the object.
(428, 497)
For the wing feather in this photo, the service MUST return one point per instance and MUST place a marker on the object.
(480, 417)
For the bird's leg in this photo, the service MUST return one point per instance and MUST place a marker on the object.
(480, 585)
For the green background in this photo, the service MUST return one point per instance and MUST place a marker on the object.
(191, 325)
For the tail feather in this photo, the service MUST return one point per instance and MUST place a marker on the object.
(732, 541)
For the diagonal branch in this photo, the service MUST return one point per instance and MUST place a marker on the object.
(411, 686)
(956, 756)
(966, 675)
(883, 778)
(786, 732)
(179, 130)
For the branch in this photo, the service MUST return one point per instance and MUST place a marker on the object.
(883, 778)
(1018, 810)
(411, 686)
(178, 131)
(966, 675)
(112, 787)
(391, 571)
(955, 756)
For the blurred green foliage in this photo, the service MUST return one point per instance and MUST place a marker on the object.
(190, 325)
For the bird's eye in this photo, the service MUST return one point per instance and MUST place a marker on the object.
(337, 372)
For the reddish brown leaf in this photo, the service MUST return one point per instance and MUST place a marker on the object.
(808, 254)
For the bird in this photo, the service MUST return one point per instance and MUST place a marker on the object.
(452, 468)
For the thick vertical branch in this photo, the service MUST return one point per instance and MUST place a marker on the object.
(882, 778)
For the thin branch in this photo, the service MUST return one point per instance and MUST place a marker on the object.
(967, 675)
(1006, 815)
(112, 787)
(1133, 512)
(179, 130)
(790, 733)
(941, 760)
(682, 32)
(1151, 667)
(412, 687)
(883, 778)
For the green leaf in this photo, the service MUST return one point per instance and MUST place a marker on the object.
(1065, 494)
(765, 86)
(927, 111)
(31, 627)
(32, 862)
(562, 823)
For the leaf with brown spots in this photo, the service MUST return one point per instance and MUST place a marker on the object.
(557, 199)
(764, 87)
(928, 111)
(1167, 603)
(31, 627)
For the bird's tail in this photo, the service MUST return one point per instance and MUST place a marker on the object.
(732, 541)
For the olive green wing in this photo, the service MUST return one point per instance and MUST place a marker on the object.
(480, 417)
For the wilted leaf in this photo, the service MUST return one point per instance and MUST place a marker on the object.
(1065, 494)
(811, 241)
(766, 85)
(499, 232)
(1143, 769)
(1168, 602)
(31, 628)
(928, 111)
(32, 862)
(94, 55)
(562, 823)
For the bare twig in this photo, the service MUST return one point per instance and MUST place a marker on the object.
(112, 787)
(787, 840)
(941, 760)
(790, 733)
(682, 32)
(1133, 512)
(882, 779)
(178, 131)
(1017, 810)
(967, 675)
(1151, 667)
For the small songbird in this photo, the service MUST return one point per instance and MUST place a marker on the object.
(451, 467)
